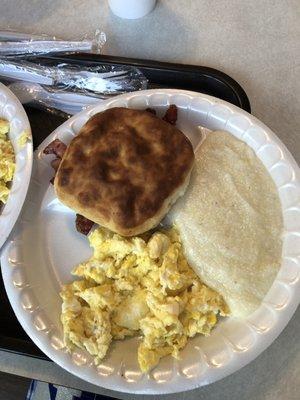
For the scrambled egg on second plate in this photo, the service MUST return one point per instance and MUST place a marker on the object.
(23, 139)
(139, 285)
(7, 161)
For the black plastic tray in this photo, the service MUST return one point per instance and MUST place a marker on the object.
(160, 75)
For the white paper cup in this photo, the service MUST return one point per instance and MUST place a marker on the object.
(131, 9)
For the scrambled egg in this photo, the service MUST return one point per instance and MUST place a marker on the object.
(23, 139)
(139, 285)
(7, 161)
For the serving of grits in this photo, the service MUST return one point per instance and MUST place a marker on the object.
(7, 161)
(143, 286)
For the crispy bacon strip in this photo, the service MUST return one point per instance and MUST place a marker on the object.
(83, 225)
(171, 114)
(56, 147)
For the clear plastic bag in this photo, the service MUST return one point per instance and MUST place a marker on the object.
(52, 100)
(68, 87)
(14, 43)
(94, 80)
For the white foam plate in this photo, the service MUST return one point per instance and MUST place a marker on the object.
(45, 246)
(12, 110)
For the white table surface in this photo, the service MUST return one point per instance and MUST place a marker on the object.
(258, 44)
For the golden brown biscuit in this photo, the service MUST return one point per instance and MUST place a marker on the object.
(124, 170)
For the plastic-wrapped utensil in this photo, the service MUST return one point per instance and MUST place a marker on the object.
(39, 96)
(64, 86)
(92, 80)
(15, 43)
(68, 87)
